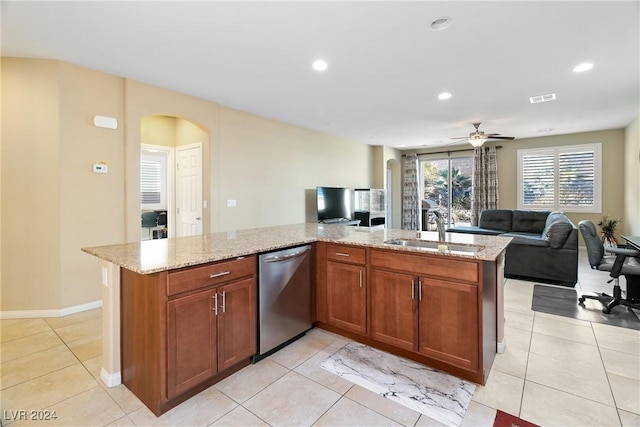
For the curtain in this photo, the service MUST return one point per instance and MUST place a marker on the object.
(485, 182)
(410, 196)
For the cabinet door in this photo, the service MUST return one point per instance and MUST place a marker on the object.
(347, 296)
(191, 341)
(394, 309)
(448, 322)
(236, 322)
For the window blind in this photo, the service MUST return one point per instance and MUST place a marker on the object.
(560, 178)
(150, 181)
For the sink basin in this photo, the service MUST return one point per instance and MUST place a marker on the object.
(435, 246)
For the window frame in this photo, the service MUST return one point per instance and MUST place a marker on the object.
(596, 148)
(166, 154)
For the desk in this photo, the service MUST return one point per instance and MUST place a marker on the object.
(633, 282)
(633, 241)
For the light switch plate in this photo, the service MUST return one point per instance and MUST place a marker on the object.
(231, 203)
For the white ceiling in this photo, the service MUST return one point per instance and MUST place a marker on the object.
(386, 66)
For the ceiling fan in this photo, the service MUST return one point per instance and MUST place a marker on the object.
(478, 137)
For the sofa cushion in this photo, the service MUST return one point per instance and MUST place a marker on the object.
(530, 239)
(557, 229)
(496, 219)
(529, 221)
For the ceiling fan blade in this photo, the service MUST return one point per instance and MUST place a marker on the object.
(502, 137)
(460, 137)
(492, 134)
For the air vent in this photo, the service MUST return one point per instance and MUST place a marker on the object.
(542, 98)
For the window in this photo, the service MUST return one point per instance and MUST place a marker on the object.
(153, 179)
(150, 181)
(560, 178)
(446, 185)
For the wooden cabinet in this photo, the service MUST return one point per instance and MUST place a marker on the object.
(347, 296)
(342, 293)
(209, 332)
(192, 341)
(435, 317)
(448, 322)
(186, 329)
(394, 308)
(236, 323)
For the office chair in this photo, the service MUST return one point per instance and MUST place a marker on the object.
(149, 221)
(624, 262)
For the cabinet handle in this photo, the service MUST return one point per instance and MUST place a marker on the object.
(341, 254)
(224, 273)
(413, 289)
(224, 301)
(215, 303)
(360, 273)
(419, 290)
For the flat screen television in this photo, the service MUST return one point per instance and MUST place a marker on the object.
(334, 203)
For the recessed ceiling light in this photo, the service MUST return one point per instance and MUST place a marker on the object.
(444, 95)
(319, 65)
(441, 23)
(585, 66)
(542, 130)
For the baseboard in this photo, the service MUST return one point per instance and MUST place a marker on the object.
(34, 314)
(111, 380)
(501, 347)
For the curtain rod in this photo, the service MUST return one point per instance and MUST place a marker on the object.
(497, 147)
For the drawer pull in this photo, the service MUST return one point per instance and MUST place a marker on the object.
(224, 273)
(342, 254)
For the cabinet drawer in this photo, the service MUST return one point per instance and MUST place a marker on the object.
(210, 274)
(346, 254)
(427, 265)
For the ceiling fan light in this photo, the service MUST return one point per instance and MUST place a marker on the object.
(477, 142)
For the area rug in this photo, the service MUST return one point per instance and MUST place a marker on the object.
(507, 420)
(436, 394)
(564, 302)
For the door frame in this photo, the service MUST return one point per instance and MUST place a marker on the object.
(171, 195)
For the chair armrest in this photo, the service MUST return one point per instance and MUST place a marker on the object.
(623, 251)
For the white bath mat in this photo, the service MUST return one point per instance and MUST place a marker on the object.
(436, 394)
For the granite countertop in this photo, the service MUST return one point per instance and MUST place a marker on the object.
(151, 256)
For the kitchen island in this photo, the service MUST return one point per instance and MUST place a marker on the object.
(155, 292)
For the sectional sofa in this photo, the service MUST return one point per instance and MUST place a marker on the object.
(544, 246)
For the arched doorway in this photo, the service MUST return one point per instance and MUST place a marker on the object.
(171, 177)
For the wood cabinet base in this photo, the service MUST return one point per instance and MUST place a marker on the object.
(161, 407)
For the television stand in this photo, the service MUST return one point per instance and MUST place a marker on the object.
(341, 221)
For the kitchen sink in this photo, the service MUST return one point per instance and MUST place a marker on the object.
(435, 246)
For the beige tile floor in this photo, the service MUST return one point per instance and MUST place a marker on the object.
(556, 371)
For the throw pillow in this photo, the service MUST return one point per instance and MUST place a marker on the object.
(557, 232)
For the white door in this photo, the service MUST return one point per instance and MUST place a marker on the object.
(189, 190)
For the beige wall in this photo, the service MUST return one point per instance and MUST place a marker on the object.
(631, 226)
(52, 202)
(158, 130)
(272, 169)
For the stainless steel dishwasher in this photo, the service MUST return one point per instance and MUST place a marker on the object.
(284, 298)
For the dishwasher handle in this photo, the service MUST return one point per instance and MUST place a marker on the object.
(281, 258)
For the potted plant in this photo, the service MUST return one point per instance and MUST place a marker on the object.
(608, 227)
